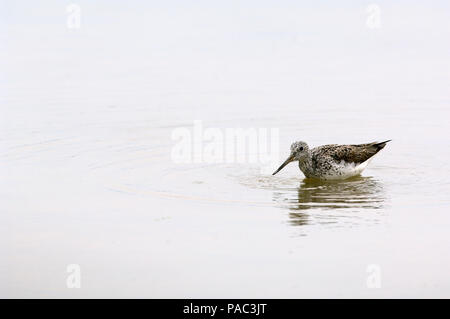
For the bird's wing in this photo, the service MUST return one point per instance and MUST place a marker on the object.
(358, 153)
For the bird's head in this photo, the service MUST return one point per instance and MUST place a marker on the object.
(299, 151)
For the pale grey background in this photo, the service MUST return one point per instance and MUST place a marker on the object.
(86, 175)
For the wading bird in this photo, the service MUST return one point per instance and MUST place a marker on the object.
(332, 161)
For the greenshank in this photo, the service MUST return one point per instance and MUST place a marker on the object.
(331, 162)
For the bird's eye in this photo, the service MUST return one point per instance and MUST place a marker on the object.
(301, 148)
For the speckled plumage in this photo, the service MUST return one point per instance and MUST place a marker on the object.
(332, 161)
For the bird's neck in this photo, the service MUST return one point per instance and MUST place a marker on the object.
(306, 166)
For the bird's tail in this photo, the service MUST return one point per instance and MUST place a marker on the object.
(381, 145)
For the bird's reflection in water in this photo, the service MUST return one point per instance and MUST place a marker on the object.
(331, 202)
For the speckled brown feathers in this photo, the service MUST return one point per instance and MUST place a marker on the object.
(332, 161)
(357, 154)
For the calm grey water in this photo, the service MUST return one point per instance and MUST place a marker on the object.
(87, 176)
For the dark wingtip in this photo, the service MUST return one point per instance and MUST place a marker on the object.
(382, 144)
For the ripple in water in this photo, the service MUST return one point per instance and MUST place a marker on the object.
(354, 201)
(333, 202)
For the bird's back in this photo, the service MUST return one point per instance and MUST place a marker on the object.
(342, 161)
(356, 153)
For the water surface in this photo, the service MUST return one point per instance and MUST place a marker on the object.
(87, 176)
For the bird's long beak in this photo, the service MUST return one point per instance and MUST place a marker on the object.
(290, 159)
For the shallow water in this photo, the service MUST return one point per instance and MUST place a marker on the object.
(87, 175)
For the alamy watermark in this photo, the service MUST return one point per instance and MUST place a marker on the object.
(374, 278)
(373, 20)
(73, 280)
(73, 11)
(198, 144)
